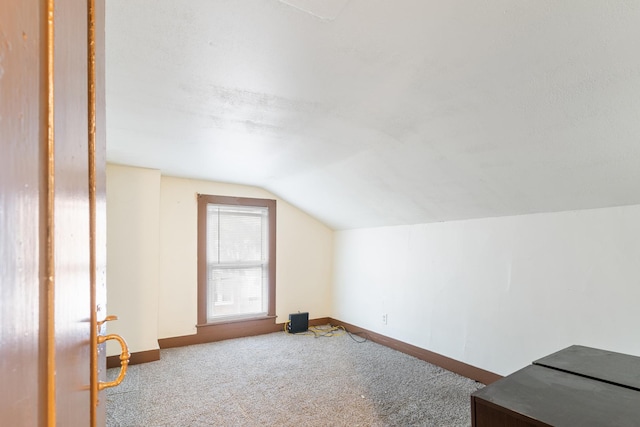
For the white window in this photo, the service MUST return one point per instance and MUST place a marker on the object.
(238, 263)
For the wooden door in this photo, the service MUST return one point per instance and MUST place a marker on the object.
(52, 213)
(21, 231)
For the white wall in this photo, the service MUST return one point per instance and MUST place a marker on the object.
(133, 259)
(304, 256)
(497, 293)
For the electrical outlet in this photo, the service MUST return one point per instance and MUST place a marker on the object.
(384, 319)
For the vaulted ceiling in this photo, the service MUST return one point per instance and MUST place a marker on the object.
(370, 113)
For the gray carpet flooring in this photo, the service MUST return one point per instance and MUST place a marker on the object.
(281, 379)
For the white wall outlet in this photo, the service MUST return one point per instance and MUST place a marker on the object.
(384, 319)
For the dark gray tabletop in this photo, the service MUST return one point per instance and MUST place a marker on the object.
(603, 365)
(561, 399)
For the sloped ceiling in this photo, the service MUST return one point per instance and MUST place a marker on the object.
(370, 113)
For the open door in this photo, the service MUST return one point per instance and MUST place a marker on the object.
(52, 212)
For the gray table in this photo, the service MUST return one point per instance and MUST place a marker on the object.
(577, 386)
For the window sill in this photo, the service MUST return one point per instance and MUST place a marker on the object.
(236, 328)
(269, 319)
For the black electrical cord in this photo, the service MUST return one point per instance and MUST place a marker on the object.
(362, 335)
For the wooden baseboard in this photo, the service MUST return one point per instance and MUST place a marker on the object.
(222, 331)
(136, 358)
(460, 368)
(319, 322)
(219, 332)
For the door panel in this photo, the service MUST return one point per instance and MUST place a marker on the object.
(71, 213)
(21, 365)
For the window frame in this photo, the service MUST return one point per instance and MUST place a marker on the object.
(203, 201)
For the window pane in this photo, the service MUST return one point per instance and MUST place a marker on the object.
(236, 234)
(237, 261)
(236, 291)
(240, 237)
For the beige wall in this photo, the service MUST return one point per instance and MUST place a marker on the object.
(133, 219)
(152, 220)
(304, 256)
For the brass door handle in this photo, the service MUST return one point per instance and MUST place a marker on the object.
(106, 319)
(124, 360)
(124, 354)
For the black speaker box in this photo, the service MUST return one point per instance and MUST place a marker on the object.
(298, 322)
